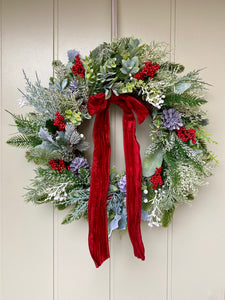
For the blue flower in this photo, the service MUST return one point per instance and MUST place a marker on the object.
(73, 86)
(123, 184)
(71, 55)
(77, 164)
(171, 119)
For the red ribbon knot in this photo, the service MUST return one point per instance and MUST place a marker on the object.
(97, 211)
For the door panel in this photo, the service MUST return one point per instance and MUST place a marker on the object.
(80, 26)
(27, 240)
(132, 278)
(199, 231)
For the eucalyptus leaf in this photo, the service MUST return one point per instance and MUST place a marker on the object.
(152, 161)
(61, 138)
(82, 145)
(129, 66)
(108, 94)
(181, 87)
(48, 146)
(64, 83)
(113, 188)
(116, 92)
(144, 215)
(45, 136)
(122, 224)
(114, 224)
(124, 70)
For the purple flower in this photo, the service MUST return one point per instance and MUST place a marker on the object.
(77, 164)
(123, 184)
(71, 55)
(73, 86)
(171, 119)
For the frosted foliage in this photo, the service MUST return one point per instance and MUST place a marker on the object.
(155, 214)
(57, 192)
(189, 179)
(169, 144)
(153, 95)
(72, 134)
(163, 200)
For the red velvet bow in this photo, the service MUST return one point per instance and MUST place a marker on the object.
(97, 216)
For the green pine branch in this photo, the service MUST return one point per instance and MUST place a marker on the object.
(184, 99)
(41, 156)
(184, 152)
(79, 211)
(167, 217)
(172, 67)
(171, 164)
(26, 124)
(51, 186)
(24, 141)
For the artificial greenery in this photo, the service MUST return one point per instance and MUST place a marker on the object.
(176, 162)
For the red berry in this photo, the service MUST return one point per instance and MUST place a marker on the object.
(59, 122)
(186, 135)
(58, 166)
(78, 68)
(148, 71)
(156, 179)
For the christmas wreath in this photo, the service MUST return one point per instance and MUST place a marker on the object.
(140, 79)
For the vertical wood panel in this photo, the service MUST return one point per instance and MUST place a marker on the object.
(132, 278)
(199, 232)
(1, 160)
(148, 20)
(82, 26)
(26, 230)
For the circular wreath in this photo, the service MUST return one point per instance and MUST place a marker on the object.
(177, 160)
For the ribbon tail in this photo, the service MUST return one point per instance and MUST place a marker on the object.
(97, 215)
(134, 179)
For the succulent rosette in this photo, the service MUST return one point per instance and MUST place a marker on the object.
(177, 160)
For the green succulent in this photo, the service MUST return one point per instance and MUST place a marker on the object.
(128, 88)
(74, 117)
(130, 66)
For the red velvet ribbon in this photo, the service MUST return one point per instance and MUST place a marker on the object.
(97, 216)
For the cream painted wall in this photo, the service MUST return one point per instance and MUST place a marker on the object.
(44, 260)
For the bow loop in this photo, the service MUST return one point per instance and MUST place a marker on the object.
(97, 103)
(129, 103)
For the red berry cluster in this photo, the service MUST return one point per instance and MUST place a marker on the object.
(186, 135)
(156, 179)
(59, 166)
(78, 68)
(148, 71)
(59, 122)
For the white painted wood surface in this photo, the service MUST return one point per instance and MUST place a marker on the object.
(44, 260)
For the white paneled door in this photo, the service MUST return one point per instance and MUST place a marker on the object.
(44, 260)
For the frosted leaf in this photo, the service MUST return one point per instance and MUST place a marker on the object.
(22, 102)
(45, 136)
